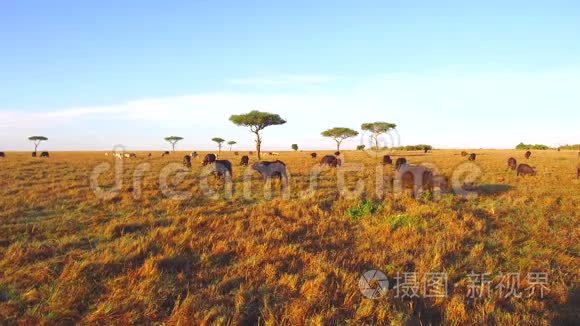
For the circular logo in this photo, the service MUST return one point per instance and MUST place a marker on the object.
(377, 145)
(373, 284)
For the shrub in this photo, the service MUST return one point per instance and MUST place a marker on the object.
(531, 146)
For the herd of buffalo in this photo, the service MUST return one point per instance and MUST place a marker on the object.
(277, 169)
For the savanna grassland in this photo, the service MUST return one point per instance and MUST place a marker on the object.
(67, 256)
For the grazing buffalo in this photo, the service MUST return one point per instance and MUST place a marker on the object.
(512, 163)
(33, 154)
(472, 157)
(187, 161)
(578, 172)
(44, 154)
(417, 179)
(236, 153)
(194, 154)
(400, 162)
(245, 160)
(274, 169)
(2, 154)
(464, 153)
(337, 153)
(165, 153)
(149, 155)
(331, 161)
(524, 169)
(208, 159)
(313, 155)
(387, 160)
(426, 150)
(222, 168)
(527, 155)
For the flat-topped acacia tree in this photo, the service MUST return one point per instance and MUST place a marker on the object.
(231, 143)
(173, 140)
(219, 141)
(376, 129)
(36, 140)
(257, 121)
(339, 134)
(295, 147)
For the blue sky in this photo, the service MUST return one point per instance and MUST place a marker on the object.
(455, 74)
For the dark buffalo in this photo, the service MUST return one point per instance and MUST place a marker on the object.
(187, 161)
(313, 155)
(44, 154)
(149, 155)
(472, 157)
(236, 153)
(387, 160)
(337, 153)
(426, 150)
(33, 154)
(165, 153)
(512, 163)
(408, 183)
(578, 172)
(527, 155)
(330, 160)
(400, 162)
(208, 159)
(245, 160)
(194, 155)
(223, 168)
(464, 153)
(2, 154)
(524, 169)
(272, 169)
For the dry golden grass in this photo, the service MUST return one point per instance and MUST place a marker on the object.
(67, 256)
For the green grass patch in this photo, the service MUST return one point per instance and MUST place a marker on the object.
(364, 208)
(405, 221)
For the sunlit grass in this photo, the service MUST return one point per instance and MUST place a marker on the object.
(66, 255)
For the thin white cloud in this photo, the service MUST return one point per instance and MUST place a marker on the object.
(283, 80)
(446, 110)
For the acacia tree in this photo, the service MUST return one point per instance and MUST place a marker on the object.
(219, 141)
(295, 147)
(36, 140)
(339, 134)
(376, 129)
(231, 143)
(257, 121)
(173, 140)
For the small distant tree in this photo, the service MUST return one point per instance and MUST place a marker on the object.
(219, 141)
(376, 129)
(257, 121)
(338, 134)
(231, 143)
(36, 140)
(173, 140)
(295, 147)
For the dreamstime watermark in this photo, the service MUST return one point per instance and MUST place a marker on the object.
(351, 180)
(374, 284)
